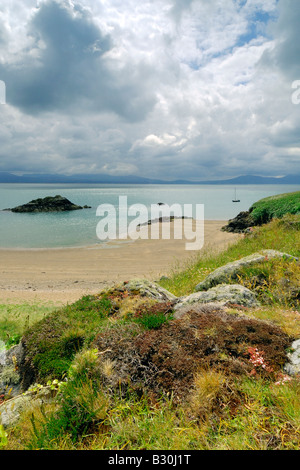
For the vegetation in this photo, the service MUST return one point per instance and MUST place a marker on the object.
(275, 207)
(281, 235)
(129, 376)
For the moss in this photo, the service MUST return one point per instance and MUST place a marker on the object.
(52, 343)
(9, 376)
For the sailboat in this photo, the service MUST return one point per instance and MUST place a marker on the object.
(235, 198)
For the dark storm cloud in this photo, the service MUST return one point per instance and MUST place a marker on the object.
(65, 68)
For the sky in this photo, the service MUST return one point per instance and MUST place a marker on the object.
(167, 89)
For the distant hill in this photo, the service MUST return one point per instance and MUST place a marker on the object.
(6, 177)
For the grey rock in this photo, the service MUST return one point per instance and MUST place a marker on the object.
(223, 294)
(10, 379)
(182, 309)
(293, 366)
(149, 289)
(230, 271)
(11, 410)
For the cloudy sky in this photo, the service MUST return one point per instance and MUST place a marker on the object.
(193, 89)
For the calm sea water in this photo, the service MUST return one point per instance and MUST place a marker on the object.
(78, 228)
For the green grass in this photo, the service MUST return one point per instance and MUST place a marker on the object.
(53, 342)
(276, 235)
(275, 207)
(15, 319)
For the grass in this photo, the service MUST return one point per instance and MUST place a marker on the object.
(277, 235)
(15, 319)
(53, 342)
(275, 207)
(221, 411)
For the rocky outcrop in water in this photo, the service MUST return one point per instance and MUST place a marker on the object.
(48, 204)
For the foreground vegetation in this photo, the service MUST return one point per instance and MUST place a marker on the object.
(238, 398)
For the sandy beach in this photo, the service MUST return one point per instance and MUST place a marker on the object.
(66, 274)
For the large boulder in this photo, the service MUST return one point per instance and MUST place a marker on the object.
(11, 410)
(230, 271)
(10, 379)
(224, 294)
(48, 204)
(146, 288)
(292, 367)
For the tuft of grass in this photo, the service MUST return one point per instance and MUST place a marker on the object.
(207, 387)
(82, 407)
(275, 236)
(153, 321)
(15, 319)
(276, 282)
(52, 343)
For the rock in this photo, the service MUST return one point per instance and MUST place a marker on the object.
(11, 410)
(166, 218)
(147, 288)
(223, 294)
(183, 308)
(10, 379)
(240, 223)
(48, 204)
(231, 270)
(293, 366)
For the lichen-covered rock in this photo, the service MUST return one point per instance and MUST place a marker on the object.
(146, 288)
(224, 294)
(293, 366)
(10, 379)
(229, 271)
(11, 410)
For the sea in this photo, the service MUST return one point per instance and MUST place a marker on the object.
(79, 228)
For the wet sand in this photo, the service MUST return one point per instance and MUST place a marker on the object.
(66, 274)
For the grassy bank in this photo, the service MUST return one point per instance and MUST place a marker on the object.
(17, 318)
(241, 407)
(280, 234)
(275, 207)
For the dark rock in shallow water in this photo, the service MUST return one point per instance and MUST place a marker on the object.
(48, 204)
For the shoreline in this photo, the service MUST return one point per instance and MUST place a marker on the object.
(63, 275)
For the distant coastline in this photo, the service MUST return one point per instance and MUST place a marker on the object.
(7, 177)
